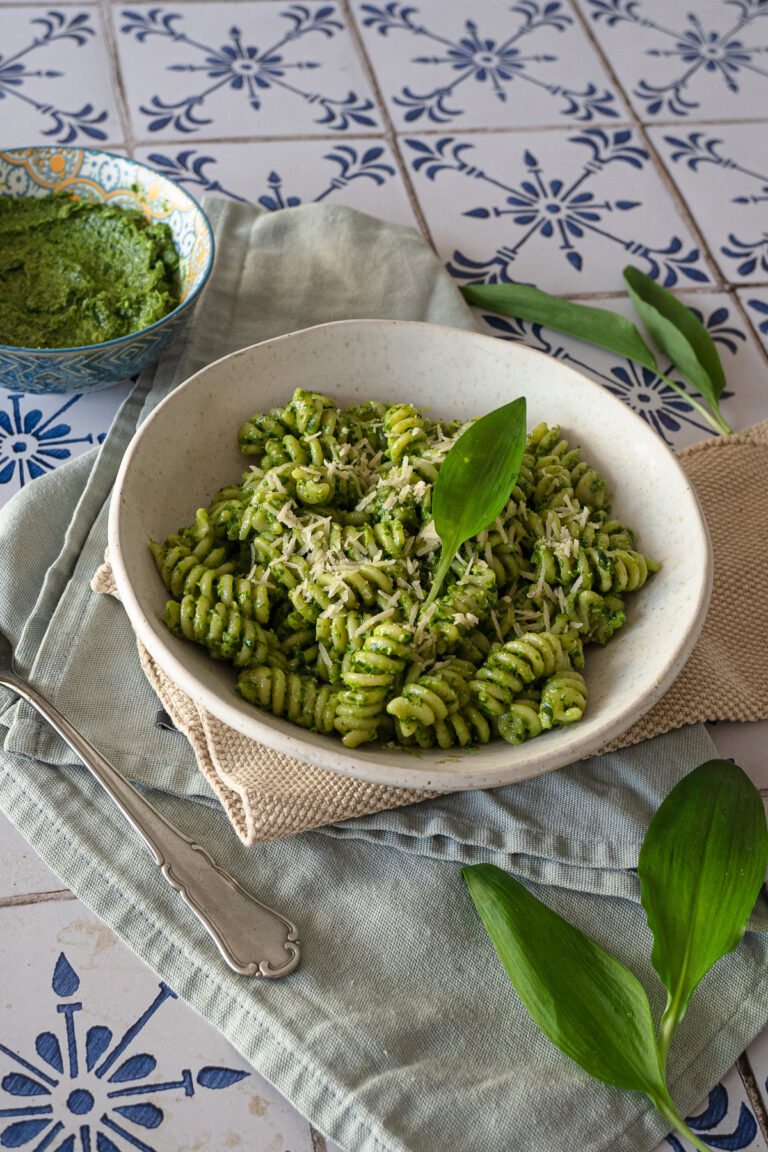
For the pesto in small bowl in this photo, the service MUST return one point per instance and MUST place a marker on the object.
(79, 272)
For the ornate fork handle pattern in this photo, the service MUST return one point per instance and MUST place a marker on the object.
(253, 939)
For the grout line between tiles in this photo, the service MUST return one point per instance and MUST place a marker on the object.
(116, 77)
(682, 206)
(655, 158)
(739, 307)
(390, 133)
(754, 1094)
(318, 1141)
(36, 898)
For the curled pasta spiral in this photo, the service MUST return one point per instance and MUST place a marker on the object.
(405, 431)
(563, 698)
(222, 629)
(301, 699)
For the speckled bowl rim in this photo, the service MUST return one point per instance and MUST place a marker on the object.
(181, 307)
(381, 765)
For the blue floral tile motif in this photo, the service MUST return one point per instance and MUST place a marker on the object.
(499, 62)
(746, 247)
(660, 406)
(23, 70)
(252, 74)
(193, 169)
(569, 212)
(743, 1135)
(702, 54)
(29, 445)
(755, 302)
(91, 1093)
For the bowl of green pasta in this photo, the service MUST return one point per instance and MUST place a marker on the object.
(275, 551)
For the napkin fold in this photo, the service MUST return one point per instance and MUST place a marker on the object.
(399, 1032)
(267, 794)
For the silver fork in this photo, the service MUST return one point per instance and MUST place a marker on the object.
(253, 939)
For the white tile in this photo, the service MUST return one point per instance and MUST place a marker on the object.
(237, 70)
(56, 78)
(362, 174)
(81, 994)
(724, 1120)
(659, 405)
(755, 301)
(757, 1054)
(39, 432)
(702, 61)
(565, 211)
(722, 173)
(22, 872)
(481, 64)
(746, 744)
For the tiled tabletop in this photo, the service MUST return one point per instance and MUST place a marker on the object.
(546, 141)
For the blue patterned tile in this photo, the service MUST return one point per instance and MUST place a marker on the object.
(755, 301)
(483, 64)
(722, 172)
(704, 62)
(360, 173)
(37, 433)
(565, 211)
(724, 1120)
(98, 1055)
(247, 69)
(642, 390)
(55, 83)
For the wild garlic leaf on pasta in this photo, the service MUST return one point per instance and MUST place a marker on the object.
(475, 480)
(701, 866)
(595, 325)
(681, 335)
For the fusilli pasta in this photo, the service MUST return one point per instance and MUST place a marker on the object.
(311, 575)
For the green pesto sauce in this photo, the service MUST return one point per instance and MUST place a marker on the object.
(75, 272)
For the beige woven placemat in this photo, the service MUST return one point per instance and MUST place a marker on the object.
(268, 795)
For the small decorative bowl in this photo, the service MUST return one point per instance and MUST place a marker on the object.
(87, 174)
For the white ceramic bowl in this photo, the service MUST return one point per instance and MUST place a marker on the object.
(187, 450)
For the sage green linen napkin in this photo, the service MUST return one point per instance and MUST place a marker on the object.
(400, 1030)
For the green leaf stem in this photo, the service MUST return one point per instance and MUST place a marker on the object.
(701, 867)
(682, 336)
(595, 325)
(582, 998)
(475, 480)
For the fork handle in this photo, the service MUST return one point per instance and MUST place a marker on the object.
(253, 939)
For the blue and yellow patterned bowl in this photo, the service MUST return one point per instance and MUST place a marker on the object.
(88, 174)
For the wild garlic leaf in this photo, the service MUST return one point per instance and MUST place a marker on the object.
(475, 480)
(595, 325)
(681, 335)
(586, 1002)
(701, 867)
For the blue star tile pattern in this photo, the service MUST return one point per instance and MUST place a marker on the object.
(721, 1126)
(91, 1092)
(525, 63)
(31, 446)
(569, 211)
(722, 170)
(46, 55)
(225, 69)
(644, 391)
(39, 433)
(677, 63)
(362, 174)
